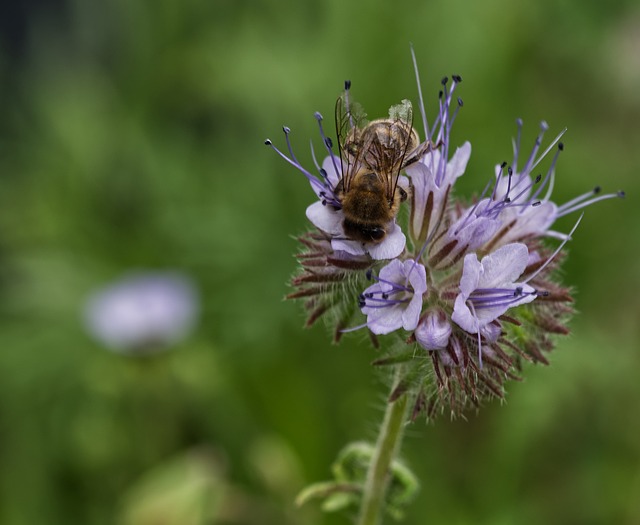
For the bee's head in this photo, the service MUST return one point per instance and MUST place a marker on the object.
(363, 232)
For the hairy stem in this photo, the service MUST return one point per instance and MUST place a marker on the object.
(378, 475)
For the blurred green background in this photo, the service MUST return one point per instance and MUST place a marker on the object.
(131, 138)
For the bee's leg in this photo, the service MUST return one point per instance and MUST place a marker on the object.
(419, 152)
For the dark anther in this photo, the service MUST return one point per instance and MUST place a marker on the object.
(519, 122)
(368, 295)
(324, 202)
(318, 116)
(597, 190)
(347, 84)
(457, 78)
(385, 296)
(518, 291)
(510, 171)
(322, 194)
(504, 164)
(361, 303)
(268, 142)
(560, 146)
(460, 102)
(444, 81)
(537, 203)
(507, 200)
(542, 294)
(286, 129)
(323, 172)
(328, 142)
(622, 194)
(538, 178)
(440, 93)
(369, 274)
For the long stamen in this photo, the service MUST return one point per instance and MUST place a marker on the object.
(422, 107)
(495, 186)
(567, 208)
(528, 165)
(313, 156)
(526, 189)
(484, 292)
(456, 111)
(397, 286)
(312, 178)
(510, 174)
(473, 209)
(549, 148)
(387, 302)
(580, 198)
(328, 144)
(548, 261)
(516, 144)
(286, 131)
(353, 328)
(548, 178)
(503, 300)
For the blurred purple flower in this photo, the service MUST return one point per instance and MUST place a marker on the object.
(143, 312)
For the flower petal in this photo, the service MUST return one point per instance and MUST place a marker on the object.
(535, 221)
(487, 315)
(346, 245)
(392, 245)
(417, 276)
(422, 185)
(463, 317)
(470, 275)
(325, 218)
(411, 314)
(504, 265)
(472, 232)
(384, 320)
(331, 164)
(458, 163)
(393, 272)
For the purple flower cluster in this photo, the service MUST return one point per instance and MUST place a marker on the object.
(469, 285)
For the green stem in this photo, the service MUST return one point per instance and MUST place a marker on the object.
(378, 475)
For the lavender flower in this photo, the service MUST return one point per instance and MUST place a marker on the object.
(469, 286)
(142, 312)
(395, 300)
(488, 288)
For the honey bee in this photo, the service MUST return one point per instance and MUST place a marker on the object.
(372, 156)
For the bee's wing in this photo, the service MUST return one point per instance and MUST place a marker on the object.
(387, 159)
(349, 117)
